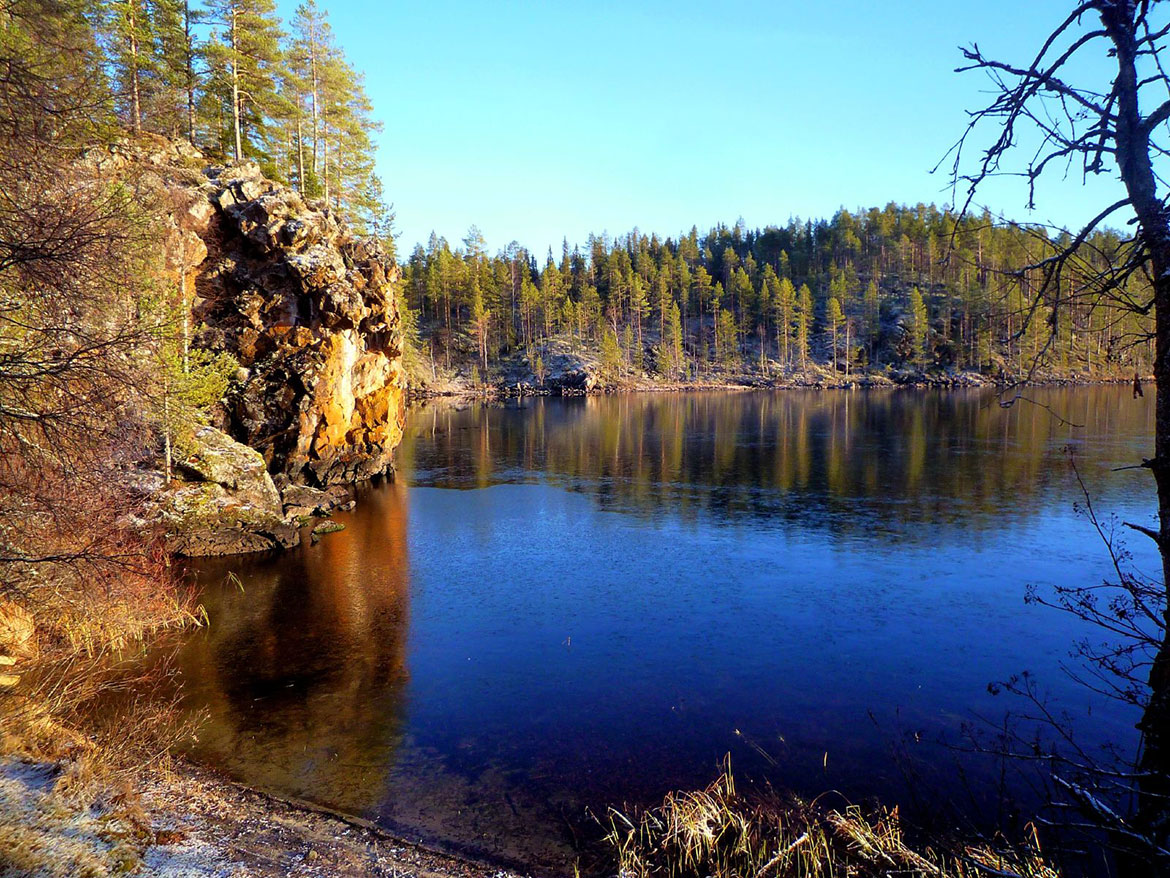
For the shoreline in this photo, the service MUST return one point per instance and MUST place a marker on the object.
(188, 820)
(963, 381)
(274, 835)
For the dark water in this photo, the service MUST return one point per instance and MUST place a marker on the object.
(562, 604)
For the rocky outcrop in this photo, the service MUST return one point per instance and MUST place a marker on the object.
(563, 370)
(225, 503)
(308, 310)
(306, 307)
(304, 304)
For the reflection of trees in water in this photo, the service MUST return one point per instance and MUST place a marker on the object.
(303, 672)
(847, 461)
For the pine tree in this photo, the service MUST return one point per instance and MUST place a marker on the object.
(247, 56)
(743, 294)
(784, 303)
(312, 45)
(834, 317)
(480, 321)
(170, 104)
(804, 315)
(670, 350)
(130, 38)
(638, 306)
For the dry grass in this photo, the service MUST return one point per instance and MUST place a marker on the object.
(90, 718)
(86, 820)
(717, 833)
(45, 833)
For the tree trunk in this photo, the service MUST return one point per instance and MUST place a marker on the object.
(135, 100)
(313, 72)
(167, 453)
(236, 90)
(189, 52)
(1137, 173)
(300, 148)
(846, 347)
(325, 157)
(185, 309)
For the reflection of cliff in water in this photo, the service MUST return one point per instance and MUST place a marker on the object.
(303, 673)
(845, 461)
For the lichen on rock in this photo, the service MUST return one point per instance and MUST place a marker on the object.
(308, 309)
(226, 504)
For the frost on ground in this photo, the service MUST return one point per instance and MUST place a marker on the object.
(44, 833)
(189, 823)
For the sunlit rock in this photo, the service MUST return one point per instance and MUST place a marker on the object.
(225, 503)
(309, 310)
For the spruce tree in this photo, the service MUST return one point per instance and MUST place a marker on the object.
(918, 327)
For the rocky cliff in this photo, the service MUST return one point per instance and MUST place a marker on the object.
(306, 306)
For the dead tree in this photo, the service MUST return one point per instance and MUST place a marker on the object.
(1046, 118)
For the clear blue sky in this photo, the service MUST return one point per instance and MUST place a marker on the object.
(543, 120)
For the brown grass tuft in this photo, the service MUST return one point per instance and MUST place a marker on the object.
(717, 833)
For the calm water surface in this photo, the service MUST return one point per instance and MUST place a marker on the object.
(561, 604)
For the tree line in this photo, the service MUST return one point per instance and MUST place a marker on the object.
(913, 287)
(229, 76)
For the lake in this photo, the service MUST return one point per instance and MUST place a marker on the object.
(560, 604)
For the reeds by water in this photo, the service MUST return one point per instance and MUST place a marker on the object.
(719, 833)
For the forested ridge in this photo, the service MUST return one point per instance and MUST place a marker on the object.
(915, 288)
(232, 78)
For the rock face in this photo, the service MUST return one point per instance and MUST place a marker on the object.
(227, 503)
(308, 310)
(565, 371)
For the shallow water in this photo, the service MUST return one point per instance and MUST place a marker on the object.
(561, 604)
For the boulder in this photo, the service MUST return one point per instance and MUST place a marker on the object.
(227, 503)
(302, 501)
(219, 458)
